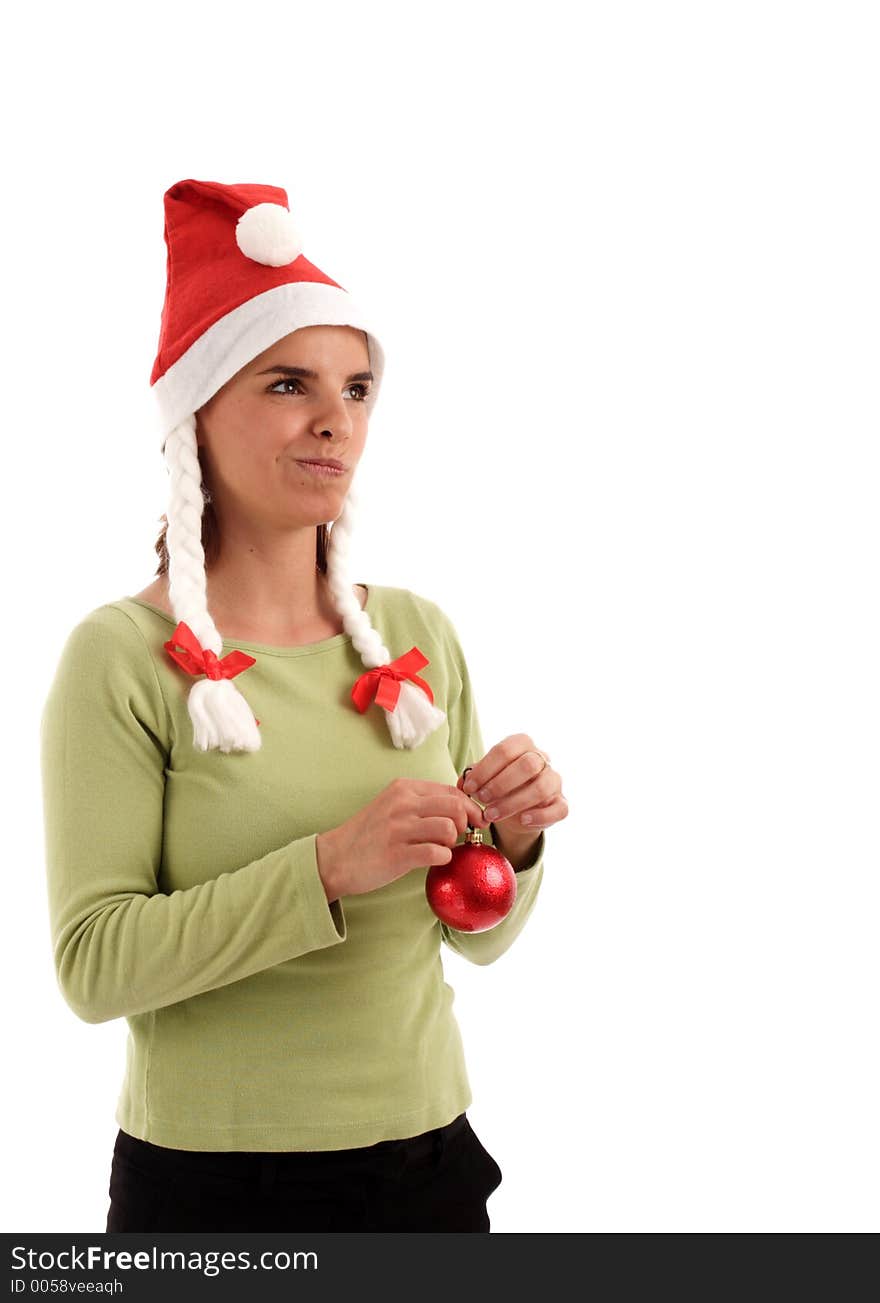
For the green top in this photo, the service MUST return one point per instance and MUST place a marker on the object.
(184, 892)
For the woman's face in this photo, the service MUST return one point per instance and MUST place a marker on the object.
(252, 431)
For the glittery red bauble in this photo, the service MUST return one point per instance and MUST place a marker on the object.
(475, 890)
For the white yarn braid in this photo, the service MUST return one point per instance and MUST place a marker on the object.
(414, 717)
(222, 718)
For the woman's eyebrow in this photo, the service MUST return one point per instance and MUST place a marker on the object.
(311, 375)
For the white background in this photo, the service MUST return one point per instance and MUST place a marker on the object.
(625, 261)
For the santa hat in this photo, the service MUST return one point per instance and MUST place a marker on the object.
(237, 281)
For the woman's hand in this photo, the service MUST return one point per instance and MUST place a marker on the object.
(412, 823)
(521, 792)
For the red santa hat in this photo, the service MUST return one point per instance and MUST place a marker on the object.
(238, 281)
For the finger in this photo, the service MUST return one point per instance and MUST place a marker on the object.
(439, 791)
(476, 815)
(543, 816)
(454, 800)
(437, 829)
(430, 853)
(537, 791)
(496, 758)
(427, 787)
(520, 771)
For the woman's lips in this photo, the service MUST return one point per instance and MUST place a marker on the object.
(328, 468)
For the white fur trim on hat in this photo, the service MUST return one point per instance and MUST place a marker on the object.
(237, 338)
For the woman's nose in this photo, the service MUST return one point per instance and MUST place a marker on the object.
(333, 418)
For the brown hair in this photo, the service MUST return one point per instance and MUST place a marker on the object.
(211, 538)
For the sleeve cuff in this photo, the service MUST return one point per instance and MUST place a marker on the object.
(325, 920)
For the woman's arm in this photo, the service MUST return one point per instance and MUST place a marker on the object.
(121, 946)
(466, 747)
(522, 850)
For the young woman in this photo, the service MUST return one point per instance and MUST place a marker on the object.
(239, 825)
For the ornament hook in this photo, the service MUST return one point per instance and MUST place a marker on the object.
(473, 834)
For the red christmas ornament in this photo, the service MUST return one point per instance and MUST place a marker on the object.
(476, 889)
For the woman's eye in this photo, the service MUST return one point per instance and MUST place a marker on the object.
(292, 380)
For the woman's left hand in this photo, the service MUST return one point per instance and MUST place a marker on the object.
(516, 786)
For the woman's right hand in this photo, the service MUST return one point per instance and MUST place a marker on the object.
(412, 823)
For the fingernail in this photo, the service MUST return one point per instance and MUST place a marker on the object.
(491, 811)
(469, 785)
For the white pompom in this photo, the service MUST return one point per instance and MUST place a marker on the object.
(413, 718)
(268, 234)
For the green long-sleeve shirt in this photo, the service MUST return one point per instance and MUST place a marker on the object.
(184, 892)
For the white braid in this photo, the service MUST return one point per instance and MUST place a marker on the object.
(414, 717)
(221, 717)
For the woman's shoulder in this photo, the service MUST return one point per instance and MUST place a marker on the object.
(105, 671)
(105, 641)
(418, 615)
(397, 598)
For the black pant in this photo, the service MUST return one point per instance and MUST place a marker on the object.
(437, 1181)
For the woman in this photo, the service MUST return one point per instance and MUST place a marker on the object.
(239, 827)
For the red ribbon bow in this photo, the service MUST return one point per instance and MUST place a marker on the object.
(196, 659)
(383, 682)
